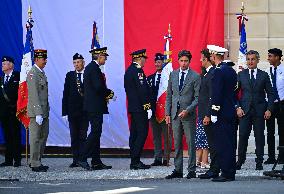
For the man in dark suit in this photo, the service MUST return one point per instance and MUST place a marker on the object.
(204, 112)
(276, 72)
(8, 100)
(72, 107)
(96, 98)
(159, 127)
(252, 108)
(181, 102)
(139, 106)
(223, 113)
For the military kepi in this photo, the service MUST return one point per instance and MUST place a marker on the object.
(7, 58)
(217, 50)
(99, 51)
(139, 53)
(77, 56)
(40, 53)
(159, 56)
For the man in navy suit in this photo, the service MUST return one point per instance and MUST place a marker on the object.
(8, 106)
(223, 114)
(96, 98)
(159, 128)
(72, 107)
(252, 108)
(139, 106)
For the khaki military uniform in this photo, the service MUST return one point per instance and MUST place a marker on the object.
(37, 105)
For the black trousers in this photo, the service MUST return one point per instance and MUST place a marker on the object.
(278, 113)
(138, 134)
(225, 145)
(93, 142)
(78, 132)
(12, 135)
(248, 121)
(214, 167)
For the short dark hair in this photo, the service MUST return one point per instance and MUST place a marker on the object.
(253, 52)
(185, 53)
(206, 54)
(276, 52)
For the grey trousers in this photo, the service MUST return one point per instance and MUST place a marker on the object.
(161, 130)
(38, 137)
(187, 127)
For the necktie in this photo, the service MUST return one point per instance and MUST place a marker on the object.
(158, 80)
(7, 79)
(252, 77)
(181, 80)
(274, 76)
(79, 75)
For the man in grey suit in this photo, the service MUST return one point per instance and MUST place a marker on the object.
(181, 102)
(252, 108)
(38, 110)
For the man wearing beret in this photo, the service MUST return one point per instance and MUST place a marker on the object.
(276, 74)
(223, 113)
(8, 106)
(96, 98)
(72, 107)
(180, 111)
(159, 127)
(38, 110)
(139, 106)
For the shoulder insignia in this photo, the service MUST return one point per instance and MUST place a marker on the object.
(214, 107)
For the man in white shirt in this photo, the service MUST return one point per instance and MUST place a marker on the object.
(276, 74)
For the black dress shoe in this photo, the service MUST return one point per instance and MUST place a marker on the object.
(39, 169)
(101, 167)
(239, 165)
(174, 174)
(270, 161)
(165, 163)
(259, 166)
(223, 179)
(139, 165)
(157, 163)
(208, 175)
(6, 164)
(84, 165)
(191, 175)
(73, 165)
(17, 164)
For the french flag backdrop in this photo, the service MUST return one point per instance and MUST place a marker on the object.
(64, 27)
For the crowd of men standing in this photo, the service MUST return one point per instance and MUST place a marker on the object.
(223, 98)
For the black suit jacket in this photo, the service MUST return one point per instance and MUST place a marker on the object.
(204, 102)
(11, 90)
(254, 95)
(136, 88)
(95, 90)
(72, 101)
(153, 91)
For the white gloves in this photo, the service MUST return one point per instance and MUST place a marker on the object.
(213, 119)
(114, 98)
(149, 112)
(65, 119)
(39, 119)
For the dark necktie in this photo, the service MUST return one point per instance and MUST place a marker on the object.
(274, 76)
(158, 80)
(7, 79)
(252, 77)
(181, 80)
(79, 75)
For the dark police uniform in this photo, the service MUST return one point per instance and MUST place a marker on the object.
(72, 105)
(96, 96)
(138, 96)
(224, 83)
(10, 123)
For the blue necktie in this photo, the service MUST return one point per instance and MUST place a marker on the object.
(274, 76)
(252, 77)
(181, 80)
(7, 79)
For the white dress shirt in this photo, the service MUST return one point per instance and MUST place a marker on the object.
(156, 78)
(280, 80)
(254, 73)
(82, 74)
(179, 76)
(10, 74)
